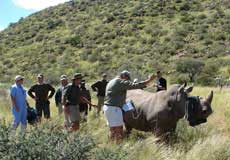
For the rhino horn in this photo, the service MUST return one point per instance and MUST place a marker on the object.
(209, 99)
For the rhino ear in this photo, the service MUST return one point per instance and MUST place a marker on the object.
(185, 84)
(189, 89)
(209, 99)
(182, 87)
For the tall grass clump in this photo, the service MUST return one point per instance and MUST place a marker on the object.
(215, 147)
(149, 149)
(4, 103)
(186, 137)
(111, 154)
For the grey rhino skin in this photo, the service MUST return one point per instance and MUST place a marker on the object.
(159, 112)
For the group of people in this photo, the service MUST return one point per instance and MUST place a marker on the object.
(73, 98)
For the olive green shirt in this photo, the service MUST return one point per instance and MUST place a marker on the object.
(71, 95)
(116, 91)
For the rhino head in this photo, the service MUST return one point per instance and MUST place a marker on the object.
(195, 109)
(198, 109)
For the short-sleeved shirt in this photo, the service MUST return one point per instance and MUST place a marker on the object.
(116, 91)
(100, 87)
(41, 92)
(19, 94)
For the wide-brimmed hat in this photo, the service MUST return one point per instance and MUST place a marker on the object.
(63, 77)
(18, 77)
(77, 76)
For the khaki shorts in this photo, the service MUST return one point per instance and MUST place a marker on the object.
(74, 113)
(100, 101)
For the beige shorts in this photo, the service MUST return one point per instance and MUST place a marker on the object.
(100, 101)
(113, 116)
(74, 113)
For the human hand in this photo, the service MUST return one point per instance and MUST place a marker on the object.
(17, 108)
(152, 77)
(35, 98)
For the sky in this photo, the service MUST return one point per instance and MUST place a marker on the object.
(13, 10)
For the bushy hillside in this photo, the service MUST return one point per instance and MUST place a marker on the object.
(93, 36)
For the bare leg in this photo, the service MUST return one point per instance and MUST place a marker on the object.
(67, 120)
(116, 134)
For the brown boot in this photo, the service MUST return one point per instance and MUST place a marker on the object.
(74, 126)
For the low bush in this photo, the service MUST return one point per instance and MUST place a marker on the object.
(45, 142)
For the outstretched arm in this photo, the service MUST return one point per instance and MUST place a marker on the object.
(85, 100)
(127, 84)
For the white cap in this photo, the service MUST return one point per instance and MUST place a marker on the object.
(63, 77)
(18, 77)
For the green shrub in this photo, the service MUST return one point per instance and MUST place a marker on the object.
(45, 142)
(191, 67)
(208, 74)
(115, 154)
(75, 41)
(179, 78)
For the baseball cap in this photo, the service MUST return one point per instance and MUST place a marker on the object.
(18, 77)
(63, 77)
(40, 76)
(125, 73)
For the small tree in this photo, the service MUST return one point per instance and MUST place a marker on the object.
(189, 66)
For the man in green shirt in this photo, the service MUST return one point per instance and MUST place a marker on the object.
(71, 98)
(115, 99)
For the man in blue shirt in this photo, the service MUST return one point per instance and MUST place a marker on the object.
(19, 106)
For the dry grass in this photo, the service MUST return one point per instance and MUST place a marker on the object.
(210, 141)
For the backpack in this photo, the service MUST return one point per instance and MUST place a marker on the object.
(32, 116)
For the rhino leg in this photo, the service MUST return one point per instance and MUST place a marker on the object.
(165, 134)
(127, 120)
